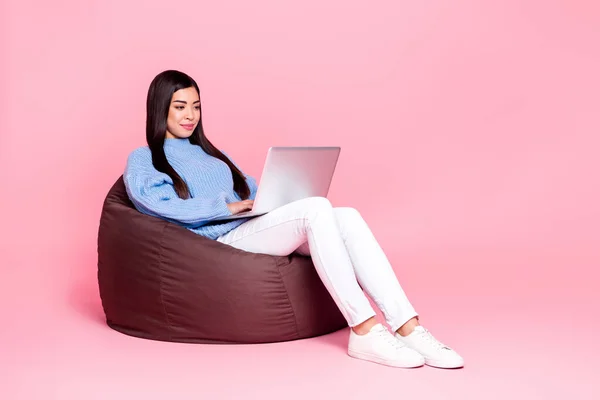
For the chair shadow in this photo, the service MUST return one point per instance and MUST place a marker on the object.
(337, 339)
(84, 299)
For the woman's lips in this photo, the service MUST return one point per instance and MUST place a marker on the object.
(189, 127)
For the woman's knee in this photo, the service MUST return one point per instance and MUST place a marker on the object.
(315, 206)
(347, 213)
(317, 203)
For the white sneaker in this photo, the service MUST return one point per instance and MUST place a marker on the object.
(436, 354)
(380, 346)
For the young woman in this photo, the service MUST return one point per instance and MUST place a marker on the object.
(181, 177)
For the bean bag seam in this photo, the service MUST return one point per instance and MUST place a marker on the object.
(287, 294)
(160, 261)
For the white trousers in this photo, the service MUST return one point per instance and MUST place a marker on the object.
(344, 251)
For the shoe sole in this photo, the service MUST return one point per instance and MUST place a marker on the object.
(442, 364)
(378, 360)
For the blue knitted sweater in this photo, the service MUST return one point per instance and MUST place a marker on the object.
(209, 181)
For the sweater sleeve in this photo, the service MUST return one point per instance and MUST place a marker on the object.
(252, 185)
(152, 192)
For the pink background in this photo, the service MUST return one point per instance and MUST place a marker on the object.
(470, 140)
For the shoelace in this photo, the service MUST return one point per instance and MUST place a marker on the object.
(390, 339)
(428, 337)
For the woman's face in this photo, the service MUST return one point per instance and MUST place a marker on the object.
(184, 113)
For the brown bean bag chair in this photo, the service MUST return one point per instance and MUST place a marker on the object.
(160, 281)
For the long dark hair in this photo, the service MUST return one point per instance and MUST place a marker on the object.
(157, 110)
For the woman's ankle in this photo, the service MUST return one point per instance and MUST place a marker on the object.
(365, 327)
(408, 327)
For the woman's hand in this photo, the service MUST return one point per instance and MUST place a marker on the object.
(239, 206)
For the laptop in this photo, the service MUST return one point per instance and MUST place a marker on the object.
(290, 174)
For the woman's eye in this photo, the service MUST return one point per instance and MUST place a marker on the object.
(179, 107)
(197, 107)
